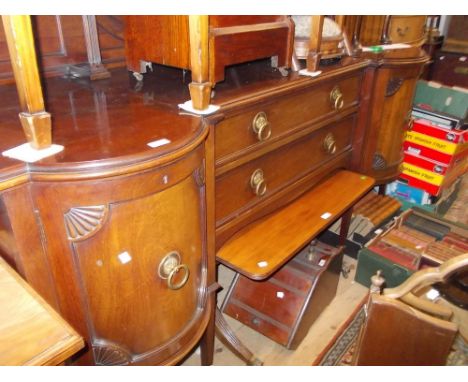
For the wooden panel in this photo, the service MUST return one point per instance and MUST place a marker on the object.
(31, 333)
(262, 295)
(249, 316)
(261, 248)
(243, 46)
(287, 115)
(417, 339)
(407, 29)
(280, 168)
(275, 306)
(217, 21)
(171, 33)
(126, 314)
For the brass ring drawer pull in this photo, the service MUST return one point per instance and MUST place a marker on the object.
(261, 127)
(336, 98)
(257, 182)
(169, 267)
(329, 144)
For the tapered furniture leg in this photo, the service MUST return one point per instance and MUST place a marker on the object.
(227, 336)
(345, 222)
(200, 87)
(207, 341)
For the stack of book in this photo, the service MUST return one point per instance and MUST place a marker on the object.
(436, 143)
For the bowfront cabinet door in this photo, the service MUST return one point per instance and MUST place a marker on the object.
(128, 258)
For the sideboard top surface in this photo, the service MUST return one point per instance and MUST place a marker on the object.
(108, 124)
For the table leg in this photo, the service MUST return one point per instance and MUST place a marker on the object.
(207, 341)
(345, 222)
(227, 336)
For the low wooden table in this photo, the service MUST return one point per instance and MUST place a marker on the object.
(31, 332)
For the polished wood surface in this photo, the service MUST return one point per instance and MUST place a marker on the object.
(418, 329)
(280, 168)
(31, 332)
(389, 110)
(109, 194)
(261, 248)
(394, 334)
(288, 117)
(109, 186)
(284, 306)
(94, 259)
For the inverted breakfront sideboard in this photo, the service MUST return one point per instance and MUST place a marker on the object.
(120, 232)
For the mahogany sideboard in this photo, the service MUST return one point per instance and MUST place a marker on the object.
(113, 232)
(119, 231)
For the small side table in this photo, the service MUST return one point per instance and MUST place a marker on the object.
(31, 332)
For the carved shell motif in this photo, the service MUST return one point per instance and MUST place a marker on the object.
(110, 356)
(393, 85)
(379, 162)
(82, 222)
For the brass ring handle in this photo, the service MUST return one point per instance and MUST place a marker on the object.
(329, 144)
(257, 183)
(169, 267)
(182, 282)
(261, 126)
(336, 98)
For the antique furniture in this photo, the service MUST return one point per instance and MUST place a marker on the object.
(319, 38)
(31, 332)
(389, 29)
(113, 231)
(206, 45)
(418, 330)
(291, 299)
(119, 231)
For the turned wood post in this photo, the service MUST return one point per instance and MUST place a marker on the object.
(313, 57)
(200, 87)
(35, 120)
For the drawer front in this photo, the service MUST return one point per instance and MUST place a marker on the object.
(249, 317)
(246, 185)
(268, 122)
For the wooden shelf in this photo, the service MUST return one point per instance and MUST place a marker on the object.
(261, 248)
(31, 332)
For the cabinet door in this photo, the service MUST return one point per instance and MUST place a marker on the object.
(107, 241)
(390, 114)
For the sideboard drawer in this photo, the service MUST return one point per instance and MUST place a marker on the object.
(267, 122)
(246, 185)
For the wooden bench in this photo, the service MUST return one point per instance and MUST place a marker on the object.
(261, 248)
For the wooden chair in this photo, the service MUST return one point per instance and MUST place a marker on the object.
(404, 329)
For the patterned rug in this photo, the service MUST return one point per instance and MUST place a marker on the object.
(340, 350)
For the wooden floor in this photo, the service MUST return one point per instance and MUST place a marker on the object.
(349, 295)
